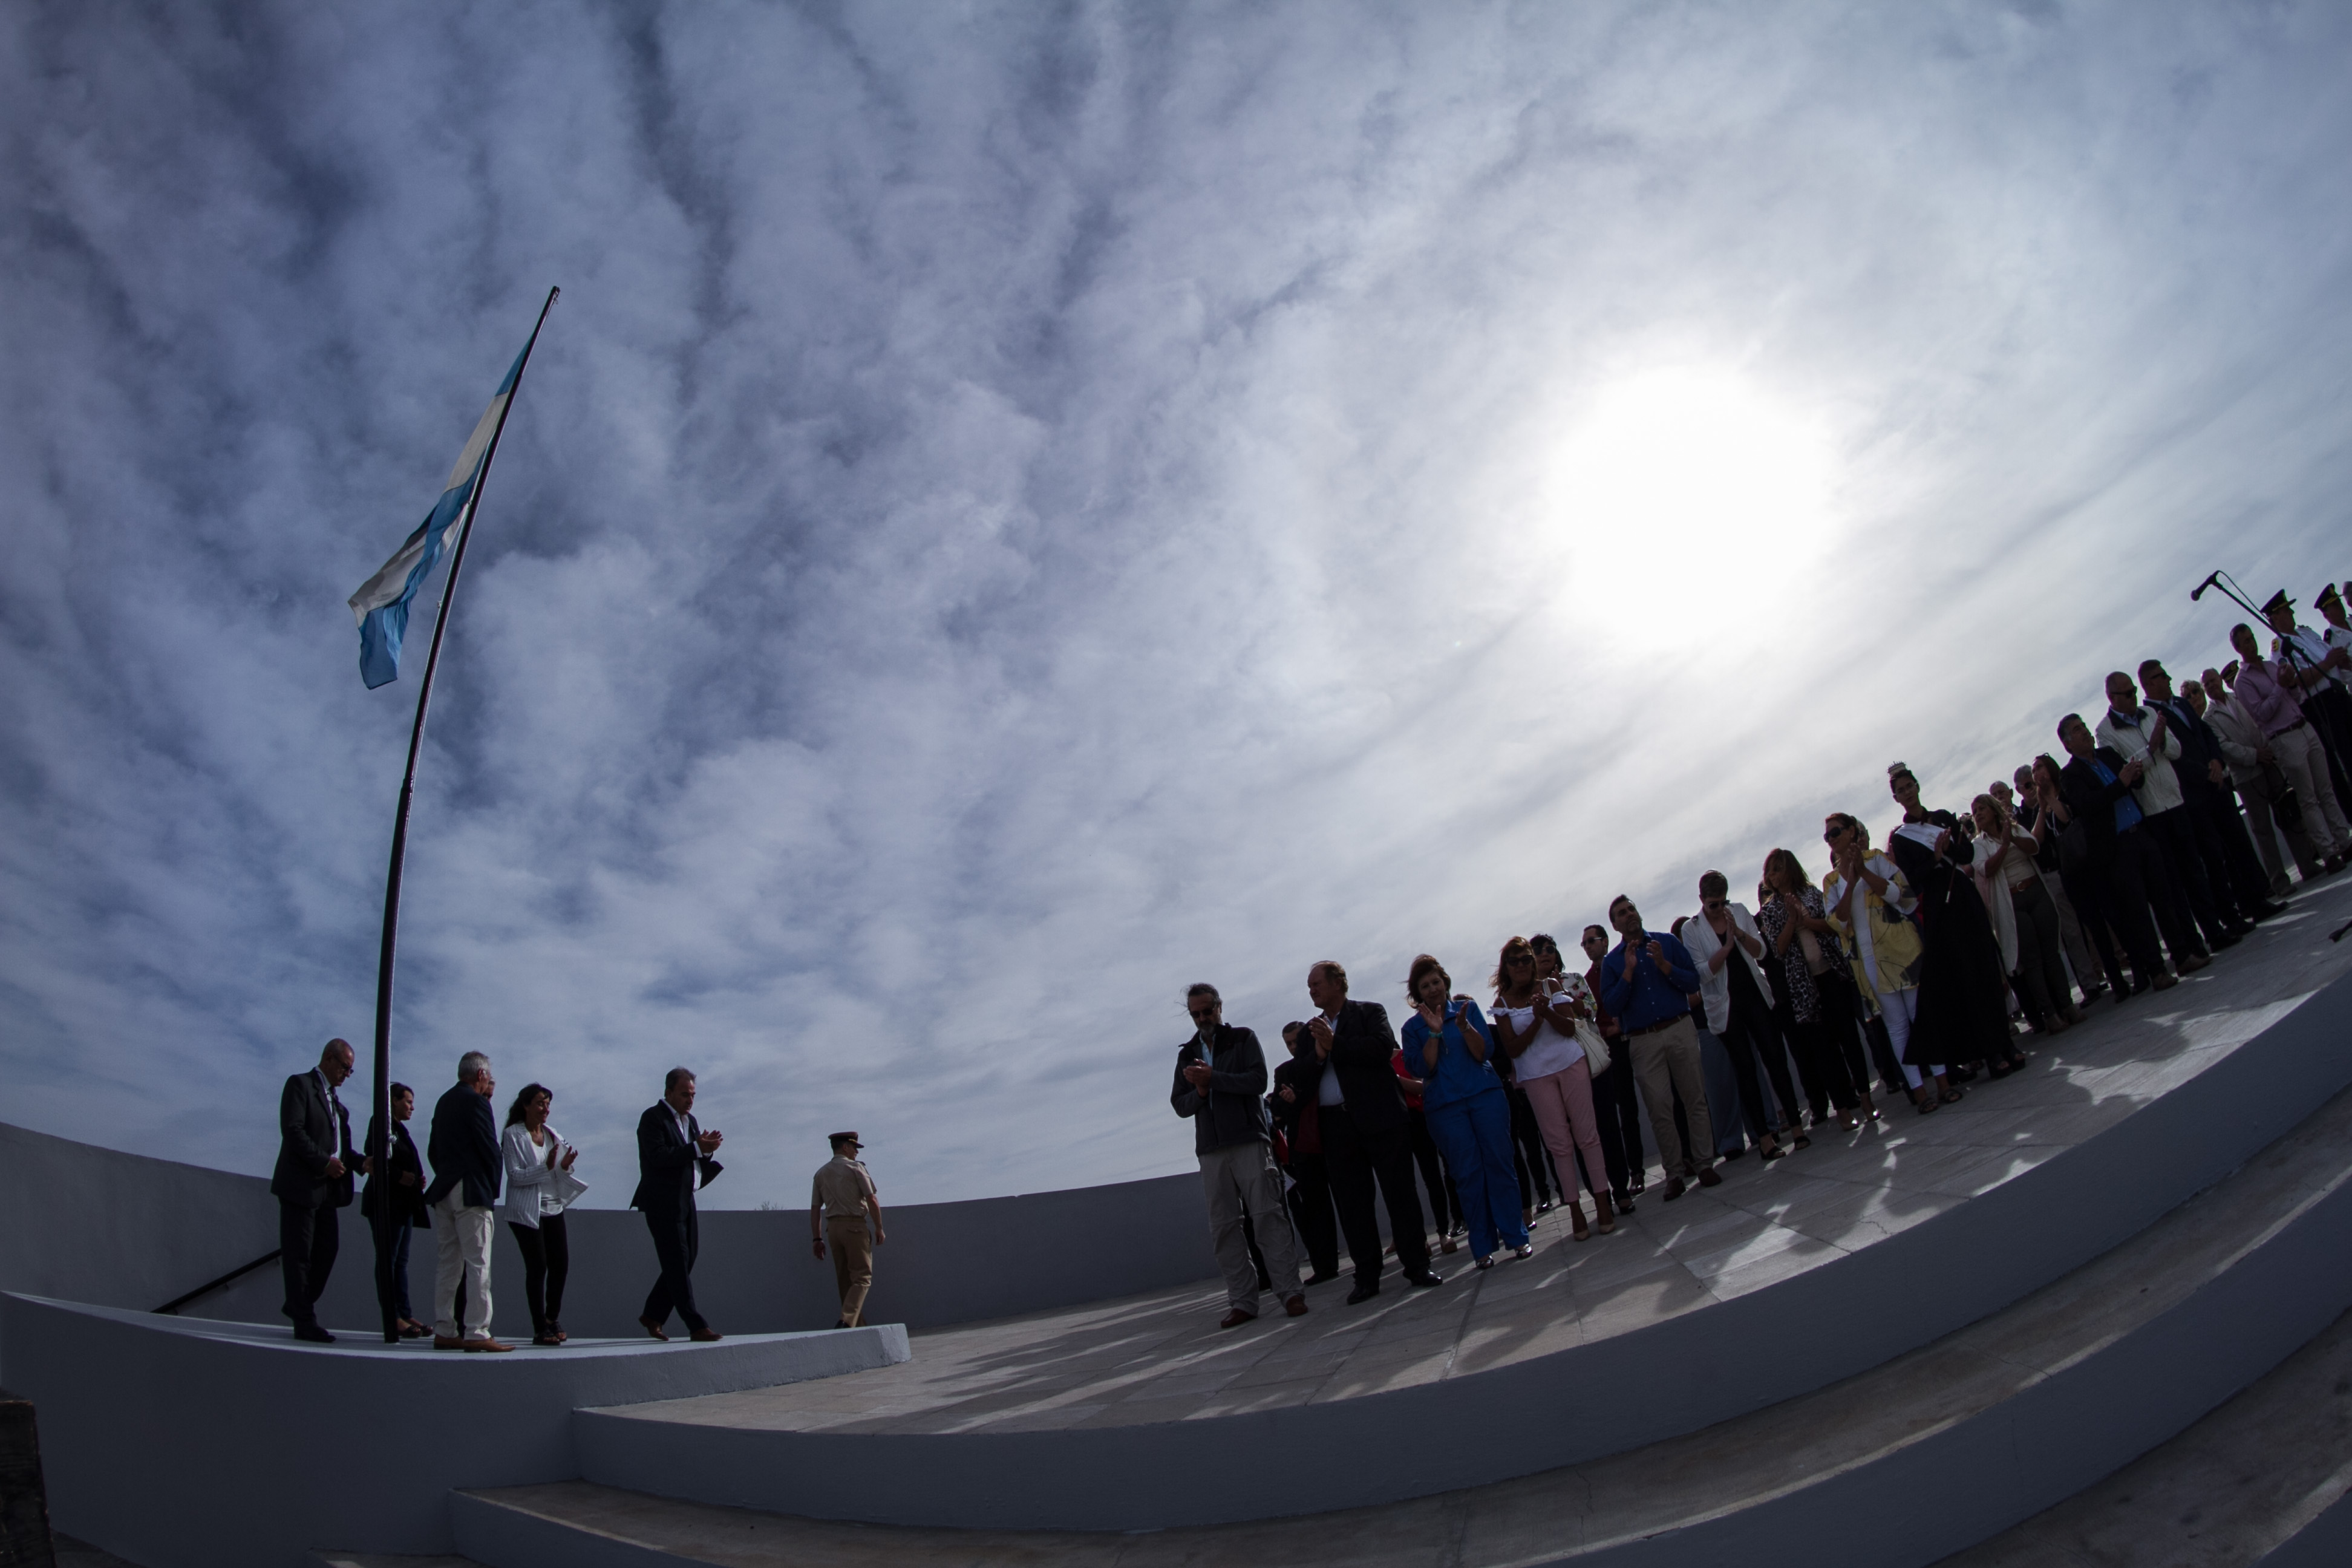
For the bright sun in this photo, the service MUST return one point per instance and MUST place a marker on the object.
(1690, 501)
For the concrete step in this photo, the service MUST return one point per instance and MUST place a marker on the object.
(1927, 1454)
(2265, 1478)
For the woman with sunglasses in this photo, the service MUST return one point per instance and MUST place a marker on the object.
(1963, 986)
(1447, 1043)
(1870, 903)
(1535, 1027)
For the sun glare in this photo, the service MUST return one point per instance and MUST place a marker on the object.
(1691, 504)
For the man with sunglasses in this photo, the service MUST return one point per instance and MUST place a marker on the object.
(1221, 1086)
(1648, 981)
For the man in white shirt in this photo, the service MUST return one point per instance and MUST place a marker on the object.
(2142, 735)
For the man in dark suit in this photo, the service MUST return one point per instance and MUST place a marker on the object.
(312, 1184)
(673, 1162)
(1360, 1111)
(463, 1148)
(2126, 865)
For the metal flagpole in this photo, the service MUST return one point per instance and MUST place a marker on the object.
(380, 1144)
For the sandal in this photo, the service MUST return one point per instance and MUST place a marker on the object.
(1803, 1142)
(1925, 1104)
(1524, 1250)
(1953, 1095)
(1774, 1152)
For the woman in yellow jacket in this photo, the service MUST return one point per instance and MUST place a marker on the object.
(1870, 903)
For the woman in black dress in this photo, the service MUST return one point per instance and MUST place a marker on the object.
(1963, 1006)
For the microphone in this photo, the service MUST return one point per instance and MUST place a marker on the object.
(2198, 591)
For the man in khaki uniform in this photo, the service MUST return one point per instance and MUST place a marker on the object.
(841, 1204)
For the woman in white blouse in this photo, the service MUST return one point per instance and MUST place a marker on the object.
(1535, 1021)
(2024, 915)
(540, 1187)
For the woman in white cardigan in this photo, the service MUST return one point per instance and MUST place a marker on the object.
(540, 1187)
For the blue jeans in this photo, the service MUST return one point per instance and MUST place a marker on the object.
(1474, 1136)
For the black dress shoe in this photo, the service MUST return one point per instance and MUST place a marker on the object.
(1322, 1277)
(2267, 911)
(314, 1333)
(1362, 1293)
(1425, 1280)
(2227, 939)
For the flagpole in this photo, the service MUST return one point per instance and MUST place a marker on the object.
(380, 1144)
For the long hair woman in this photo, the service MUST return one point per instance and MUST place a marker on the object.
(1819, 987)
(540, 1187)
(1537, 1029)
(1447, 1044)
(2024, 915)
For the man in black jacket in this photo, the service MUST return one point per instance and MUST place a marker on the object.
(1294, 1115)
(2214, 825)
(1220, 1074)
(673, 1162)
(463, 1148)
(1366, 1138)
(312, 1184)
(2097, 784)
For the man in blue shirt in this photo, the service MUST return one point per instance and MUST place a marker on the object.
(1647, 982)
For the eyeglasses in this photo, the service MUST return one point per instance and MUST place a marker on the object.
(1518, 958)
(1715, 903)
(1202, 1015)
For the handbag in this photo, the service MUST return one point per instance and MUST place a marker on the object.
(1596, 1049)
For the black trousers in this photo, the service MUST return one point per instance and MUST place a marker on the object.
(546, 1259)
(307, 1240)
(676, 1241)
(2228, 847)
(1617, 1110)
(1445, 1203)
(2330, 712)
(2086, 890)
(2174, 832)
(1529, 1159)
(1310, 1211)
(1357, 1161)
(2135, 909)
(1749, 1038)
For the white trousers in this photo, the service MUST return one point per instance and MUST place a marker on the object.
(1899, 1008)
(2305, 762)
(462, 1238)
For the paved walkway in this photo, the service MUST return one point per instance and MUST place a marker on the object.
(1159, 1357)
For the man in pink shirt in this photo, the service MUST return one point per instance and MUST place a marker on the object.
(2288, 736)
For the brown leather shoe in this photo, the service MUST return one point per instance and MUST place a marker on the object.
(706, 1335)
(654, 1329)
(444, 1342)
(485, 1344)
(1236, 1318)
(1675, 1188)
(1709, 1178)
(1296, 1306)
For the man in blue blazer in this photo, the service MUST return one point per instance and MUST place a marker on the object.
(463, 1148)
(673, 1162)
(312, 1184)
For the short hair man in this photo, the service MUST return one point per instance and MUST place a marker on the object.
(2126, 865)
(2246, 750)
(673, 1162)
(1366, 1137)
(2267, 693)
(1648, 982)
(2216, 831)
(467, 1171)
(2148, 736)
(312, 1184)
(1220, 1076)
(845, 1213)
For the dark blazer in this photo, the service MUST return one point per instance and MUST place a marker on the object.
(2093, 803)
(2199, 747)
(407, 1203)
(308, 1135)
(463, 1148)
(664, 1159)
(1231, 1113)
(1363, 1051)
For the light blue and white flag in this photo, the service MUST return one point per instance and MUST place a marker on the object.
(381, 603)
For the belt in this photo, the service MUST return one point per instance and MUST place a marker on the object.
(1654, 1028)
(2288, 728)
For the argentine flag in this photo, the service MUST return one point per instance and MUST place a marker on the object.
(381, 603)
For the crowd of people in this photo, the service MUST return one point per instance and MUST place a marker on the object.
(1919, 964)
(526, 1173)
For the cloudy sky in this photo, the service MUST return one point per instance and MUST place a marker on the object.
(1019, 508)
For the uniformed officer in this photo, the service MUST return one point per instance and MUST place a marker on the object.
(845, 1212)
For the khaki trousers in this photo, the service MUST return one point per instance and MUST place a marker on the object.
(851, 1242)
(461, 1238)
(1667, 1061)
(1240, 1179)
(2300, 758)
